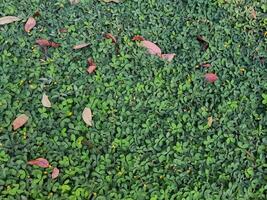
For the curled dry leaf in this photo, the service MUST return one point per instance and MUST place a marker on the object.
(138, 38)
(210, 120)
(206, 65)
(37, 14)
(63, 30)
(152, 48)
(30, 24)
(211, 77)
(169, 57)
(47, 43)
(45, 101)
(203, 42)
(8, 20)
(41, 162)
(91, 66)
(80, 46)
(110, 36)
(55, 173)
(253, 14)
(20, 121)
(87, 116)
(108, 1)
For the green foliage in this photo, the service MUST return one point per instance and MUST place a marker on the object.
(150, 138)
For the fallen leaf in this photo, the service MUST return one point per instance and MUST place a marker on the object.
(37, 14)
(207, 65)
(107, 1)
(19, 121)
(91, 66)
(253, 14)
(41, 162)
(55, 173)
(110, 36)
(8, 20)
(73, 2)
(138, 38)
(211, 77)
(169, 57)
(203, 42)
(47, 43)
(152, 48)
(210, 120)
(63, 30)
(80, 46)
(87, 116)
(30, 24)
(45, 101)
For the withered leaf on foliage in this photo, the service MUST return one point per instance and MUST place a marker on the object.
(8, 19)
(19, 121)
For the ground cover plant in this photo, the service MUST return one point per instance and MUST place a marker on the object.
(132, 99)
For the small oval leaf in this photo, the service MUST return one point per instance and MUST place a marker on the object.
(40, 162)
(87, 116)
(19, 121)
(55, 173)
(45, 101)
(30, 24)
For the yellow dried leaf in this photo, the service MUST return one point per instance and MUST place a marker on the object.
(210, 120)
(45, 101)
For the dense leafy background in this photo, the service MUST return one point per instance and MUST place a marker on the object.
(150, 138)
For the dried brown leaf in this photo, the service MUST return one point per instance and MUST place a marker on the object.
(40, 162)
(20, 121)
(30, 24)
(55, 173)
(80, 46)
(87, 116)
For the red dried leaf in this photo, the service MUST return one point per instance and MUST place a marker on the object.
(19, 121)
(30, 24)
(138, 38)
(80, 46)
(41, 162)
(110, 36)
(91, 69)
(152, 48)
(168, 56)
(91, 66)
(55, 173)
(211, 77)
(207, 65)
(47, 43)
